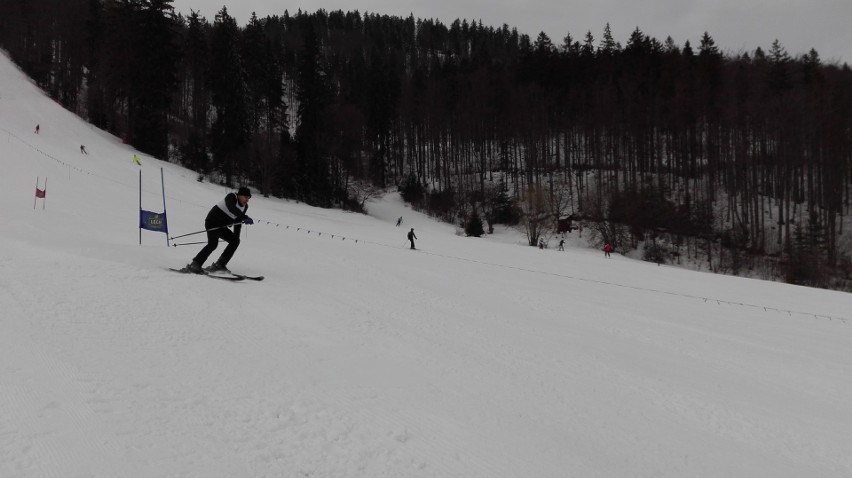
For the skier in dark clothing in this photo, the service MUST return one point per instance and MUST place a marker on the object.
(229, 211)
(411, 237)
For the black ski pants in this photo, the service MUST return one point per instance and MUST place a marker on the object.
(227, 235)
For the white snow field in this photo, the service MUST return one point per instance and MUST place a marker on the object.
(357, 357)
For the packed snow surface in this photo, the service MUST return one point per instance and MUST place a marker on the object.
(358, 357)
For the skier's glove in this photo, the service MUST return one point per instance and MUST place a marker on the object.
(248, 220)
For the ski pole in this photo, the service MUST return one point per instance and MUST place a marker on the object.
(205, 230)
(190, 243)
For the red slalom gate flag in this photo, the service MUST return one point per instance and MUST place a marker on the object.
(40, 193)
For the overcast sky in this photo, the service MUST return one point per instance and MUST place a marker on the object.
(735, 25)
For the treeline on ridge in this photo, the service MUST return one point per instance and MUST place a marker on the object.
(739, 160)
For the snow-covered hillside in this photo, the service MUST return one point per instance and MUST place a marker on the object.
(357, 357)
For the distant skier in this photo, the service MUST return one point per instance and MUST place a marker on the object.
(136, 160)
(399, 221)
(607, 249)
(412, 237)
(38, 128)
(229, 211)
(562, 244)
(83, 150)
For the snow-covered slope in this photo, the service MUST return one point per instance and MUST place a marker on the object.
(357, 357)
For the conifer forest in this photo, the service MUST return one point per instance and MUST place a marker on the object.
(740, 162)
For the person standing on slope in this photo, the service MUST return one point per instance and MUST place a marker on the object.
(230, 211)
(411, 237)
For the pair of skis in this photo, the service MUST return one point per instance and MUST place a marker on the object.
(217, 275)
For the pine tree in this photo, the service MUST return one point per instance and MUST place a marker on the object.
(505, 210)
(382, 98)
(588, 49)
(96, 104)
(412, 191)
(474, 225)
(227, 85)
(608, 45)
(153, 76)
(194, 99)
(806, 254)
(312, 172)
(197, 65)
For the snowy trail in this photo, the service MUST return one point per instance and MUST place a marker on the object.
(51, 414)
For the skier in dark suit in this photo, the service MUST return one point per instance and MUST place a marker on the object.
(229, 211)
(411, 237)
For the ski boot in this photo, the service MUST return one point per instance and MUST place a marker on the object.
(217, 267)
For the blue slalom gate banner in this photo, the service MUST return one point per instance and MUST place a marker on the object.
(153, 221)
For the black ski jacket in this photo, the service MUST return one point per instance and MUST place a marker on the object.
(227, 212)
